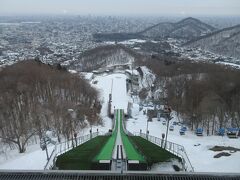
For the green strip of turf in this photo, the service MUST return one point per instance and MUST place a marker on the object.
(152, 152)
(107, 150)
(131, 152)
(80, 158)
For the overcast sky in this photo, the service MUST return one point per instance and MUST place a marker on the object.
(121, 7)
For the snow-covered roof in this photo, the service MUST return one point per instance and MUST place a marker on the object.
(134, 72)
(87, 76)
(72, 71)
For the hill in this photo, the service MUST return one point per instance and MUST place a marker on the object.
(225, 42)
(187, 29)
(103, 56)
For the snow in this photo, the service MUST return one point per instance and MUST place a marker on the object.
(148, 78)
(132, 41)
(33, 159)
(115, 84)
(134, 72)
(72, 71)
(200, 156)
(197, 148)
(165, 166)
(87, 76)
(109, 42)
(137, 48)
(107, 83)
(237, 66)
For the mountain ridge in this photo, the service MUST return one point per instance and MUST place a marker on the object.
(224, 42)
(187, 28)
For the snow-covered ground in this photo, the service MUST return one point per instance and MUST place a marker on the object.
(148, 78)
(106, 84)
(237, 66)
(197, 148)
(127, 42)
(165, 166)
(33, 159)
(115, 84)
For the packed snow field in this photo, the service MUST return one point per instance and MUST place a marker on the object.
(114, 84)
(196, 147)
(33, 159)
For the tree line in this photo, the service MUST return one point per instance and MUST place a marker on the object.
(35, 97)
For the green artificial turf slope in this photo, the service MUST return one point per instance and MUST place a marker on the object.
(80, 158)
(107, 150)
(101, 147)
(131, 152)
(152, 152)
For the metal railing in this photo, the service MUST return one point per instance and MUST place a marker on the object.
(174, 148)
(65, 146)
(125, 175)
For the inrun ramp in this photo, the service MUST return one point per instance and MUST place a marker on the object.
(120, 148)
(131, 152)
(119, 152)
(107, 150)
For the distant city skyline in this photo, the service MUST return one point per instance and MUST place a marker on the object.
(121, 7)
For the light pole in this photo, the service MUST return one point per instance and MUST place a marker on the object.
(132, 78)
(43, 145)
(147, 131)
(168, 111)
(91, 132)
(91, 122)
(44, 141)
(147, 126)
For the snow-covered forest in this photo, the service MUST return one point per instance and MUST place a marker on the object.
(206, 95)
(35, 97)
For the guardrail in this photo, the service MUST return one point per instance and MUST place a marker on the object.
(125, 175)
(65, 146)
(174, 148)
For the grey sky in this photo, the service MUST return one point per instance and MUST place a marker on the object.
(121, 7)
